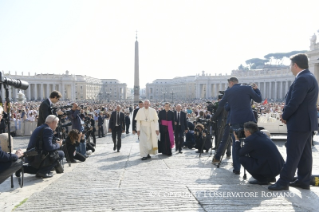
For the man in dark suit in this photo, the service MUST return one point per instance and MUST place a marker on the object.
(264, 161)
(45, 107)
(239, 100)
(100, 121)
(47, 129)
(300, 115)
(180, 128)
(117, 126)
(140, 105)
(127, 122)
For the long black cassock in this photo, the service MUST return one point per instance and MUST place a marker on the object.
(164, 145)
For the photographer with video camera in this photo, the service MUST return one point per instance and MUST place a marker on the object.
(77, 122)
(239, 100)
(48, 148)
(9, 163)
(46, 107)
(259, 156)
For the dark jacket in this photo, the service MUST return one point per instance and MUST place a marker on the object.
(268, 160)
(239, 100)
(44, 111)
(113, 121)
(134, 121)
(47, 136)
(76, 120)
(100, 120)
(183, 120)
(127, 120)
(300, 110)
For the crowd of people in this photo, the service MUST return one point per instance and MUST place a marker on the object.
(160, 126)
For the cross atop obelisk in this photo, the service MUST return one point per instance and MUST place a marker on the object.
(136, 75)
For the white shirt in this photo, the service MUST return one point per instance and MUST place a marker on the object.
(50, 101)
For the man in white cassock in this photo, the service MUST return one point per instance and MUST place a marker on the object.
(147, 130)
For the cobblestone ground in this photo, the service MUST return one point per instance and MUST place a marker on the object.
(112, 181)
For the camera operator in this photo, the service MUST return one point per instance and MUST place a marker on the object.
(200, 137)
(77, 122)
(46, 107)
(239, 99)
(44, 133)
(92, 129)
(259, 156)
(72, 141)
(9, 163)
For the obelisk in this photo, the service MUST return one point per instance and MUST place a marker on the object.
(136, 75)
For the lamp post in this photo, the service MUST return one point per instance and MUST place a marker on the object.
(172, 96)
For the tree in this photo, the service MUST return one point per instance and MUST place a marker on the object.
(254, 62)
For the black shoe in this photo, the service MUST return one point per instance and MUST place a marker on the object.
(277, 187)
(144, 158)
(18, 173)
(297, 184)
(199, 152)
(114, 148)
(259, 182)
(148, 156)
(118, 150)
(236, 172)
(180, 152)
(43, 175)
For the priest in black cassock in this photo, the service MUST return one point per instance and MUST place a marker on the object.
(166, 123)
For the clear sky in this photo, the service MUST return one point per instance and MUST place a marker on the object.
(176, 37)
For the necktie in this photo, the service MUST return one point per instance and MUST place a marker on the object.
(178, 118)
(117, 118)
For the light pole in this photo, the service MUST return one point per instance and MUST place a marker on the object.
(172, 96)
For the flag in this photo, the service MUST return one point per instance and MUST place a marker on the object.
(265, 102)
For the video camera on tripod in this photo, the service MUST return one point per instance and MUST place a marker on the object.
(63, 108)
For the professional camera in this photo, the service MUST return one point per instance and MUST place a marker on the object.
(20, 84)
(204, 122)
(239, 132)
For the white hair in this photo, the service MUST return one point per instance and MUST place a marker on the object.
(147, 101)
(51, 118)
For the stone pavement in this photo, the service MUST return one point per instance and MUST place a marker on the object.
(111, 181)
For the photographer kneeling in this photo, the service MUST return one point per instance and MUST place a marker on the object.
(200, 138)
(49, 153)
(259, 156)
(72, 141)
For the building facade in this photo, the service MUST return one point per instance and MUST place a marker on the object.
(273, 84)
(72, 87)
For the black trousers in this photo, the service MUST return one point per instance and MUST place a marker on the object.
(127, 128)
(101, 131)
(179, 138)
(117, 132)
(248, 163)
(299, 155)
(92, 133)
(10, 168)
